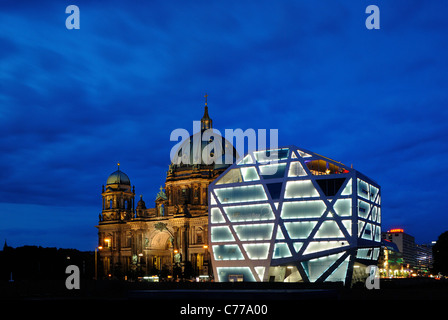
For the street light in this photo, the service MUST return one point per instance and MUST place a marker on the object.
(96, 260)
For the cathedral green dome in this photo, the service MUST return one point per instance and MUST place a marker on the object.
(118, 177)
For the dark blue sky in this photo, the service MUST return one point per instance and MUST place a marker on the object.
(75, 102)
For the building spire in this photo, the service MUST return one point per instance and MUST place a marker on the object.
(206, 122)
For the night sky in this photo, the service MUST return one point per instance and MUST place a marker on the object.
(73, 103)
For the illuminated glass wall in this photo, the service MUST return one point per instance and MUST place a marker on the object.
(303, 217)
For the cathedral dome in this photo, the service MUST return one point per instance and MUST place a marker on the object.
(118, 177)
(211, 152)
(194, 151)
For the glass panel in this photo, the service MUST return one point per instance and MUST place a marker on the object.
(378, 233)
(298, 246)
(316, 267)
(329, 229)
(340, 273)
(373, 193)
(260, 271)
(273, 171)
(363, 209)
(348, 189)
(281, 250)
(317, 246)
(299, 230)
(250, 174)
(364, 253)
(343, 207)
(376, 253)
(271, 155)
(363, 189)
(253, 212)
(246, 160)
(300, 189)
(367, 232)
(280, 235)
(360, 226)
(212, 199)
(221, 234)
(226, 274)
(216, 216)
(303, 209)
(257, 251)
(227, 252)
(303, 154)
(348, 226)
(254, 231)
(233, 176)
(374, 213)
(296, 170)
(241, 194)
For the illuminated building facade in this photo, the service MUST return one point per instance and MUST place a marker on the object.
(303, 218)
(406, 245)
(169, 238)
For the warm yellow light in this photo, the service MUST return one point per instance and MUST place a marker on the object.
(100, 247)
(205, 246)
(176, 251)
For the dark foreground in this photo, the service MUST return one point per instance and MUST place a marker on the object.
(417, 288)
(220, 300)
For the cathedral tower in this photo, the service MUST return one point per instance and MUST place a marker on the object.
(118, 198)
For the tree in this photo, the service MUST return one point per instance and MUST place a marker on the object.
(440, 254)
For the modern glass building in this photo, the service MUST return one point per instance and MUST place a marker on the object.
(302, 217)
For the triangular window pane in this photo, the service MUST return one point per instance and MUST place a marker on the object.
(298, 246)
(293, 155)
(233, 176)
(281, 250)
(260, 272)
(212, 199)
(340, 273)
(348, 226)
(348, 189)
(329, 229)
(216, 216)
(296, 170)
(316, 267)
(280, 235)
(246, 160)
(303, 154)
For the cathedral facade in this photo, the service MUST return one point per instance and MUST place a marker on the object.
(168, 239)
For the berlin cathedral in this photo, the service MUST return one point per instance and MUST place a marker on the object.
(168, 239)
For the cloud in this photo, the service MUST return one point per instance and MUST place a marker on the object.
(74, 102)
